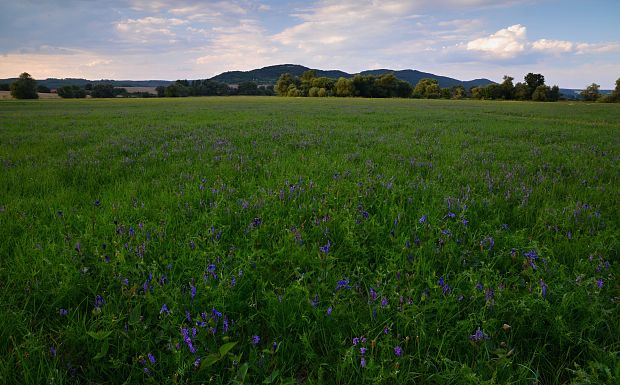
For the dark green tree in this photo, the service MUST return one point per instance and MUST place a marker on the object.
(508, 88)
(521, 91)
(161, 91)
(554, 94)
(70, 92)
(25, 87)
(540, 93)
(533, 81)
(43, 89)
(247, 88)
(102, 91)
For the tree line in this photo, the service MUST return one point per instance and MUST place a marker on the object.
(388, 86)
(206, 87)
(25, 88)
(309, 85)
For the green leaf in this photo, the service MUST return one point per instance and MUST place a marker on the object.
(210, 360)
(104, 350)
(226, 348)
(100, 335)
(243, 371)
(134, 317)
(272, 377)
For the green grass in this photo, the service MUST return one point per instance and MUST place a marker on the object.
(106, 197)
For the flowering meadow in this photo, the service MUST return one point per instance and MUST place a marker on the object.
(309, 241)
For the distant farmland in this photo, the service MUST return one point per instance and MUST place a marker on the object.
(232, 240)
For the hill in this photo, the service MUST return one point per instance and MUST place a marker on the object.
(270, 74)
(57, 83)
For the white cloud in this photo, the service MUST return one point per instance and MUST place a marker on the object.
(553, 46)
(587, 48)
(505, 43)
(512, 42)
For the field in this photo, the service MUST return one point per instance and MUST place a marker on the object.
(281, 240)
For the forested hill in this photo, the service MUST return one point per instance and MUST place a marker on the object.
(269, 75)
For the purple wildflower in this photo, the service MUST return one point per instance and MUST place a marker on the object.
(384, 302)
(225, 325)
(99, 302)
(363, 362)
(543, 288)
(315, 301)
(373, 295)
(216, 315)
(164, 309)
(325, 249)
(356, 340)
(329, 310)
(63, 312)
(489, 296)
(151, 358)
(444, 286)
(451, 214)
(193, 290)
(188, 316)
(423, 219)
(398, 351)
(343, 284)
(188, 340)
(255, 340)
(599, 283)
(52, 351)
(478, 336)
(197, 362)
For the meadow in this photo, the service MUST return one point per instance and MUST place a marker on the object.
(316, 240)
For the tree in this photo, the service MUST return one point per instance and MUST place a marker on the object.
(521, 91)
(540, 93)
(103, 91)
(313, 92)
(507, 87)
(247, 88)
(43, 89)
(283, 83)
(457, 92)
(427, 88)
(70, 92)
(25, 87)
(161, 91)
(554, 94)
(344, 87)
(533, 81)
(591, 93)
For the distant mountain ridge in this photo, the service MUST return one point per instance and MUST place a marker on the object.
(270, 74)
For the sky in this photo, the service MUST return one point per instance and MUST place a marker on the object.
(572, 43)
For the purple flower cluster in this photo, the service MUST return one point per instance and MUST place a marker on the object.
(188, 340)
(478, 336)
(445, 288)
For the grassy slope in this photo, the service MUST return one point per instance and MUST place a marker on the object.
(178, 173)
